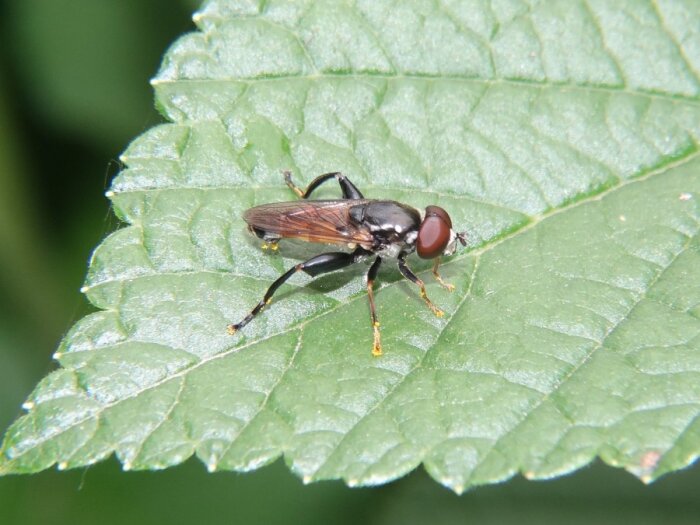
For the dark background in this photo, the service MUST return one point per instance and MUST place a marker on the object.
(73, 92)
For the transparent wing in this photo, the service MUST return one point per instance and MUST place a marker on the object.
(324, 221)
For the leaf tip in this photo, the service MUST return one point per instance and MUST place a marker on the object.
(84, 289)
(57, 355)
(62, 465)
(646, 468)
(212, 467)
(126, 466)
(28, 405)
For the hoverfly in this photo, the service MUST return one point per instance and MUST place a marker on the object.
(369, 227)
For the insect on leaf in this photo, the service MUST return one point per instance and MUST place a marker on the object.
(562, 137)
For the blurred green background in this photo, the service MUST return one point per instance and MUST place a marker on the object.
(73, 92)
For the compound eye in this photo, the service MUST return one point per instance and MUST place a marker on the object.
(434, 233)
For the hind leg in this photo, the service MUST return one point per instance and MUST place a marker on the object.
(324, 263)
(348, 188)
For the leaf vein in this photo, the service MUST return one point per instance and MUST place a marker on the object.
(529, 413)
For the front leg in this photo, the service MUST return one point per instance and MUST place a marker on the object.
(408, 274)
(448, 286)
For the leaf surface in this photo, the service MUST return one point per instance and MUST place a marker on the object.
(561, 136)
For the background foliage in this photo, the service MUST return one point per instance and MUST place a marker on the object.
(100, 486)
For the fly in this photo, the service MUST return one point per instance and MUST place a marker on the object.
(370, 227)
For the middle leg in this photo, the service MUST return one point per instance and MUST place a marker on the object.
(371, 276)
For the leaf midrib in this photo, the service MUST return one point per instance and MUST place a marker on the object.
(693, 100)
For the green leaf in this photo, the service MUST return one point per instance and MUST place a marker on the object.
(562, 136)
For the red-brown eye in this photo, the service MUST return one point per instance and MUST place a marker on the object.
(434, 233)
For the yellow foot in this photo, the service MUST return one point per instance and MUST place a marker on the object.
(231, 329)
(433, 308)
(436, 310)
(272, 246)
(449, 287)
(377, 345)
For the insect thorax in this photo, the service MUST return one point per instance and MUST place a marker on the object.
(393, 225)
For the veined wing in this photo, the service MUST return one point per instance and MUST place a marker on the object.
(324, 221)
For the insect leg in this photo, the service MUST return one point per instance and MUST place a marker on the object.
(326, 262)
(371, 276)
(408, 274)
(450, 287)
(270, 241)
(270, 245)
(348, 188)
